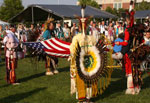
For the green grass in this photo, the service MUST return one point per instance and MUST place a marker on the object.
(35, 87)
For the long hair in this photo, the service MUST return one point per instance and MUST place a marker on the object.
(51, 31)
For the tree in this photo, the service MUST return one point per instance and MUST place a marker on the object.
(109, 9)
(115, 11)
(10, 8)
(120, 11)
(112, 11)
(144, 5)
(92, 3)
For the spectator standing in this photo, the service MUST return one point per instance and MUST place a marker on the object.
(102, 28)
(110, 32)
(91, 24)
(66, 31)
(59, 31)
(32, 28)
(120, 27)
(116, 29)
(74, 30)
(94, 31)
(99, 25)
(21, 34)
(6, 28)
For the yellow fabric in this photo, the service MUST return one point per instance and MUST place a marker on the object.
(104, 85)
(106, 82)
(101, 87)
(79, 38)
(48, 61)
(80, 87)
(73, 76)
(94, 89)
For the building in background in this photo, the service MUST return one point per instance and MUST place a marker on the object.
(116, 3)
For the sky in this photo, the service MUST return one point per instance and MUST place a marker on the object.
(29, 2)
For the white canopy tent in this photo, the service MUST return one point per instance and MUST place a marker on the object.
(3, 23)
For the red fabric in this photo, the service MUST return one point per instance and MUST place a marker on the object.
(132, 18)
(8, 61)
(59, 52)
(113, 44)
(143, 41)
(67, 43)
(85, 23)
(106, 49)
(110, 31)
(127, 63)
(57, 48)
(10, 70)
(127, 35)
(62, 47)
(49, 45)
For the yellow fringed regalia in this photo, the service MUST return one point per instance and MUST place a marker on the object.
(77, 84)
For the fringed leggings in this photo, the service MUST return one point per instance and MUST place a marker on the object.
(11, 65)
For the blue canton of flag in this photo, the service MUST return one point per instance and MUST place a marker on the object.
(37, 47)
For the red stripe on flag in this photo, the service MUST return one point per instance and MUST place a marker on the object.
(59, 56)
(57, 51)
(49, 45)
(66, 43)
(62, 47)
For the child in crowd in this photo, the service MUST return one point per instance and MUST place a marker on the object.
(117, 48)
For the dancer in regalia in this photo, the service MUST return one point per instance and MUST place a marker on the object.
(126, 46)
(11, 43)
(83, 91)
(87, 63)
(51, 62)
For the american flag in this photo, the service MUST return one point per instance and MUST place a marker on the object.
(52, 47)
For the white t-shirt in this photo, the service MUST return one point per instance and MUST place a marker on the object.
(102, 29)
(95, 33)
(66, 32)
(147, 41)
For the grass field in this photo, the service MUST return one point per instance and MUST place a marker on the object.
(35, 87)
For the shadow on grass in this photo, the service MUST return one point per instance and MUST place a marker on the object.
(146, 82)
(3, 59)
(115, 86)
(6, 85)
(2, 64)
(17, 97)
(119, 85)
(64, 69)
(31, 77)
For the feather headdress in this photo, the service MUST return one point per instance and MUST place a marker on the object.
(47, 22)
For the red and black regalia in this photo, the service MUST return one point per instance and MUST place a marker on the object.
(126, 46)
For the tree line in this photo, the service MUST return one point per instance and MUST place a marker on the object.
(10, 8)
